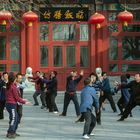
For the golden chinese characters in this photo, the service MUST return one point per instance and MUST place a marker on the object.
(80, 14)
(68, 15)
(47, 14)
(57, 14)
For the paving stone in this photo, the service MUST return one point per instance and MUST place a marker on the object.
(38, 124)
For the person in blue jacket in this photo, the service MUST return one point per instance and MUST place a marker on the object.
(89, 99)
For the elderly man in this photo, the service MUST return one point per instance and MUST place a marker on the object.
(88, 100)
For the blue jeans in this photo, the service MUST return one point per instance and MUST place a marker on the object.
(13, 117)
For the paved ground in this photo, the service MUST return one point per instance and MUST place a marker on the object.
(38, 124)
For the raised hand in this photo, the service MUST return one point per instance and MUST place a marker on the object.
(82, 72)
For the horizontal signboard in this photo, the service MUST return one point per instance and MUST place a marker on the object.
(64, 14)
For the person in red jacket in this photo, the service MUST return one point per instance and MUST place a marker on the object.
(12, 97)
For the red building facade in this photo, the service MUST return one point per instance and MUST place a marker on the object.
(65, 46)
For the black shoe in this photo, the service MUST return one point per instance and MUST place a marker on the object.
(36, 104)
(99, 123)
(131, 115)
(121, 119)
(79, 120)
(62, 114)
(120, 114)
(42, 107)
(11, 136)
(17, 135)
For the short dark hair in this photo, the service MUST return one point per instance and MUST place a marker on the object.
(104, 73)
(93, 74)
(55, 73)
(11, 79)
(87, 81)
(5, 73)
(127, 75)
(18, 74)
(37, 71)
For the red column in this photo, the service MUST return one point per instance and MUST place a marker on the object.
(99, 40)
(36, 46)
(30, 56)
(93, 48)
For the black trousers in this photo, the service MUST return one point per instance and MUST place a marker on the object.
(101, 100)
(90, 122)
(19, 112)
(2, 105)
(67, 99)
(131, 104)
(122, 105)
(36, 94)
(50, 101)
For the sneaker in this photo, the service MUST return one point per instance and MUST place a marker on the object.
(92, 134)
(86, 136)
(55, 112)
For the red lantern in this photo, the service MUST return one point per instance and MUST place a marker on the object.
(97, 19)
(125, 17)
(30, 17)
(5, 16)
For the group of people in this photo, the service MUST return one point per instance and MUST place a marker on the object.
(11, 97)
(95, 91)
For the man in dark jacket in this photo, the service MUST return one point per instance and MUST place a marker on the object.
(134, 98)
(106, 95)
(3, 81)
(88, 100)
(70, 94)
(51, 92)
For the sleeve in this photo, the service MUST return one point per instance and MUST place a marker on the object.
(46, 81)
(96, 102)
(69, 77)
(22, 85)
(77, 80)
(16, 96)
(124, 85)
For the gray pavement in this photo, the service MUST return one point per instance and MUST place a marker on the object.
(38, 124)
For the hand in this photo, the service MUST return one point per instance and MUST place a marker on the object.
(41, 76)
(71, 73)
(28, 103)
(116, 83)
(82, 72)
(25, 100)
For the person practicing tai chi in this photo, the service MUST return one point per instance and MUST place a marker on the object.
(89, 99)
(70, 94)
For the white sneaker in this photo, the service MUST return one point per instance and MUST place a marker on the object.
(55, 112)
(92, 134)
(86, 137)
